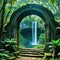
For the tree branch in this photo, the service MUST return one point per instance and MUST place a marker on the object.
(4, 4)
(9, 11)
(2, 17)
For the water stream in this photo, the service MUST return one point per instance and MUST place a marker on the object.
(34, 33)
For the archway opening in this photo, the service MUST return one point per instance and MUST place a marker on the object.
(30, 9)
(32, 32)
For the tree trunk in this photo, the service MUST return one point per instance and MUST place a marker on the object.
(2, 18)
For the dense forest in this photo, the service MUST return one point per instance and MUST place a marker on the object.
(7, 7)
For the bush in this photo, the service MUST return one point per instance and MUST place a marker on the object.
(39, 46)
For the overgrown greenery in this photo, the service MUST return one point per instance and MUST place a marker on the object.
(57, 47)
(56, 42)
(7, 7)
(39, 46)
(8, 49)
(12, 5)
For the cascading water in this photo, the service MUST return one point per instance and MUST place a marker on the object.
(34, 33)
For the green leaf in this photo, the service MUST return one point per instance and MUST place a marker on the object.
(56, 42)
(52, 1)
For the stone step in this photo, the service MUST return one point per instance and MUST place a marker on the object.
(32, 52)
(31, 55)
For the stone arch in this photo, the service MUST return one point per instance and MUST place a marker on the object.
(35, 9)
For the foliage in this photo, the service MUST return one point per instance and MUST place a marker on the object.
(57, 47)
(29, 19)
(41, 38)
(5, 55)
(10, 45)
(53, 1)
(21, 46)
(11, 41)
(56, 42)
(39, 46)
(23, 41)
(12, 5)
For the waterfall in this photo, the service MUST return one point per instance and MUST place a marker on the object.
(34, 33)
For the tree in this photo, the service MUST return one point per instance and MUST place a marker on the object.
(2, 16)
(5, 13)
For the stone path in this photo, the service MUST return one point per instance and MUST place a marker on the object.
(28, 58)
